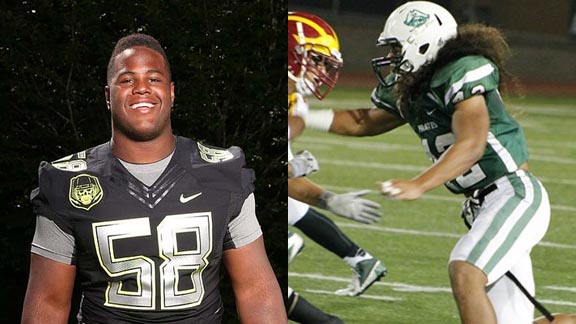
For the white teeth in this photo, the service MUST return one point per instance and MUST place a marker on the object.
(142, 105)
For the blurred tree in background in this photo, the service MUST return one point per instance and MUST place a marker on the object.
(228, 63)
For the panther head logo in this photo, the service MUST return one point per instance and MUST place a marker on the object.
(416, 18)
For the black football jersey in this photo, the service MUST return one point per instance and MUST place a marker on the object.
(147, 254)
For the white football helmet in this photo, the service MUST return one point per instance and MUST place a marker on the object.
(415, 31)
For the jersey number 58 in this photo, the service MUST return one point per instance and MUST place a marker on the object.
(142, 268)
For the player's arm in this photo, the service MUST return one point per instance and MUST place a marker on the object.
(304, 190)
(470, 126)
(354, 122)
(349, 205)
(296, 125)
(49, 292)
(258, 295)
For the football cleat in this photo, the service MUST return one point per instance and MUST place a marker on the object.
(295, 245)
(366, 273)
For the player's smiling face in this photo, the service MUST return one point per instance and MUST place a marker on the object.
(141, 95)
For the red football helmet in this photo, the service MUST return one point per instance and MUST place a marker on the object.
(314, 59)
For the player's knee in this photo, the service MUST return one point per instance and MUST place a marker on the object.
(464, 275)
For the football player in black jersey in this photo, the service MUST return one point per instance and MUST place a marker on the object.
(145, 221)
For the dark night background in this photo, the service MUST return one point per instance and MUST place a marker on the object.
(228, 63)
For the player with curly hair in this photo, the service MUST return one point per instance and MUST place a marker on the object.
(445, 82)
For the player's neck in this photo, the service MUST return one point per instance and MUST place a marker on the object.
(143, 152)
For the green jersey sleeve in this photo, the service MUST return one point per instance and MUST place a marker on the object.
(464, 78)
(385, 97)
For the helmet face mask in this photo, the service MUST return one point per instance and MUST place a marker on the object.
(391, 63)
(314, 59)
(320, 72)
(419, 29)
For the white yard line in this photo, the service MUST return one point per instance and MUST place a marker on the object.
(365, 296)
(402, 287)
(436, 234)
(453, 198)
(359, 144)
(374, 165)
(396, 286)
(355, 144)
(556, 302)
(398, 230)
(560, 288)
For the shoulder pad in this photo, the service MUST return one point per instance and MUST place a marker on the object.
(84, 160)
(463, 78)
(223, 168)
(385, 98)
(73, 162)
(212, 154)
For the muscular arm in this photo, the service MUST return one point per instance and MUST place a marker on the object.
(49, 292)
(258, 296)
(470, 126)
(296, 125)
(364, 122)
(304, 190)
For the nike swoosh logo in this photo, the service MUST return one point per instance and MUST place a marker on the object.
(429, 113)
(187, 199)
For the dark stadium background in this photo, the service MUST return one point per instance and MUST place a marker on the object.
(541, 35)
(228, 62)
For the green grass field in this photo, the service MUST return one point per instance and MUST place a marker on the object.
(414, 239)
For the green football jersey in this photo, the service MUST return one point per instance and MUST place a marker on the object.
(431, 117)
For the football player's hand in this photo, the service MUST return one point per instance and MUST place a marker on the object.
(303, 164)
(400, 189)
(351, 205)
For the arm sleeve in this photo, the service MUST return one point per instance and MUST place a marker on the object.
(244, 228)
(51, 242)
(385, 98)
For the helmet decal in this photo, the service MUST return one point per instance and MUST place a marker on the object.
(416, 18)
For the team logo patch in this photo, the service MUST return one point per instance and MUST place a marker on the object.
(416, 18)
(85, 191)
(214, 155)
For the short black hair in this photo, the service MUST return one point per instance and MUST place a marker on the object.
(133, 40)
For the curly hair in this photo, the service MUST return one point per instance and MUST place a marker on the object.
(472, 39)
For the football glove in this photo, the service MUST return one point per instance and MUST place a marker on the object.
(303, 164)
(350, 205)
